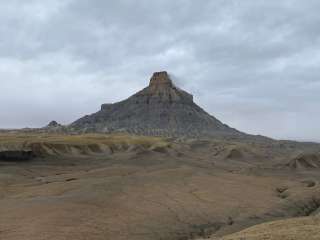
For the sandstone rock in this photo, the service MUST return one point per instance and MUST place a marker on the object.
(161, 109)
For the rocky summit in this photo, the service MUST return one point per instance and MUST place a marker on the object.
(161, 109)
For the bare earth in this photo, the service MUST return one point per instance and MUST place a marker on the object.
(94, 187)
(292, 229)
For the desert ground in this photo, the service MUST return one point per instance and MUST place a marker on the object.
(98, 187)
(291, 229)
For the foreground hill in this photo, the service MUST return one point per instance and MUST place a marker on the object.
(292, 229)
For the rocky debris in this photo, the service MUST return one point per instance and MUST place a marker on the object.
(309, 183)
(282, 192)
(305, 161)
(161, 109)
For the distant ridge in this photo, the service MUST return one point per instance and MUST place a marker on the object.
(161, 109)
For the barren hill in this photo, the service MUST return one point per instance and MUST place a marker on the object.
(160, 109)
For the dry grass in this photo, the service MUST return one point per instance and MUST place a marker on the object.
(85, 139)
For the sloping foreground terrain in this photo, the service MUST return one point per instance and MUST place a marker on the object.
(92, 187)
(292, 229)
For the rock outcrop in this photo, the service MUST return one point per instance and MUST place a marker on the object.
(305, 161)
(161, 109)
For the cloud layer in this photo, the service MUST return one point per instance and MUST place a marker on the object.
(252, 64)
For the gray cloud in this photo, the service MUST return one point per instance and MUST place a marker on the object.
(252, 63)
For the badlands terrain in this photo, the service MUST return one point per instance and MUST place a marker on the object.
(155, 166)
(119, 186)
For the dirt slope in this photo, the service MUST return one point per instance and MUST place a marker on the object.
(292, 229)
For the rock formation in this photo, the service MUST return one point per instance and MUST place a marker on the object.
(161, 109)
(53, 124)
(305, 161)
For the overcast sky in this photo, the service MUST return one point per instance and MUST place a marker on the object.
(253, 64)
